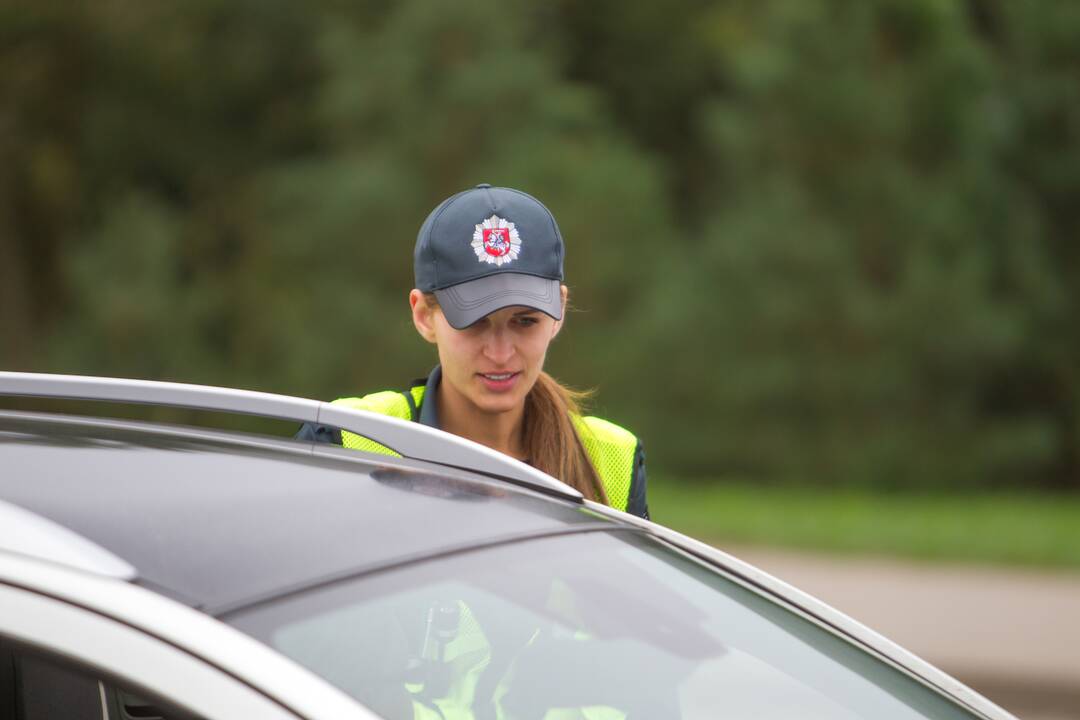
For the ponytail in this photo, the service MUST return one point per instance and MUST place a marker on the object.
(550, 440)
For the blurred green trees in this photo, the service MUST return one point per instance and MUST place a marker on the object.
(815, 241)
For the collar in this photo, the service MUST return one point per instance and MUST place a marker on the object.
(429, 406)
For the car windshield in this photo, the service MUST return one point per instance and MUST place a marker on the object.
(590, 625)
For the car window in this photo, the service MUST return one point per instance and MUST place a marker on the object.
(597, 626)
(36, 685)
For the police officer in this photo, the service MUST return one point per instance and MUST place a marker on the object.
(489, 295)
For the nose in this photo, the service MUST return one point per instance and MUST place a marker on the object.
(499, 346)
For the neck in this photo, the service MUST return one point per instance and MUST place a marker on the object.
(498, 431)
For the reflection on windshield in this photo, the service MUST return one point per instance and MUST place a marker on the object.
(440, 486)
(590, 626)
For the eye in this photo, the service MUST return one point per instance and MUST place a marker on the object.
(527, 320)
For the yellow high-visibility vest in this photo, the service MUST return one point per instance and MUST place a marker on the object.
(610, 447)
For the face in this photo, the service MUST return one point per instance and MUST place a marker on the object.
(493, 363)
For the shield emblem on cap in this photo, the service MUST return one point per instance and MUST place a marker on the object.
(496, 241)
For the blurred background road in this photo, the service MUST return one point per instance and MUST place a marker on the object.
(1013, 635)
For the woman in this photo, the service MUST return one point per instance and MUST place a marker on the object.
(489, 295)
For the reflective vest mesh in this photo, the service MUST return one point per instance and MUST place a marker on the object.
(610, 447)
(388, 402)
(611, 450)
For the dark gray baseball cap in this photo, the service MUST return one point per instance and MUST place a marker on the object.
(488, 248)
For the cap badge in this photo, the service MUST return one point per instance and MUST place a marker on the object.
(496, 241)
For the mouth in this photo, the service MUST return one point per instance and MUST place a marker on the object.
(499, 381)
(498, 376)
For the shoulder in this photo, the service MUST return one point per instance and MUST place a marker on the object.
(386, 402)
(604, 431)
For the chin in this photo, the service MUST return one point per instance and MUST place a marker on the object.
(500, 404)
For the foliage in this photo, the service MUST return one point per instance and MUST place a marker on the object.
(817, 242)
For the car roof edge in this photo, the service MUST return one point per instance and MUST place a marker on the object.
(411, 440)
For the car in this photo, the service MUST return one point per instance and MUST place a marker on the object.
(153, 570)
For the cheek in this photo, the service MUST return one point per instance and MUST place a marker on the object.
(535, 349)
(456, 349)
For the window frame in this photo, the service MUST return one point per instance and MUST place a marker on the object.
(105, 649)
(147, 641)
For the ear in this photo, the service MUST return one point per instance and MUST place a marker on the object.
(564, 292)
(422, 315)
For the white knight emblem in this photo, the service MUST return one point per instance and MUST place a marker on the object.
(496, 241)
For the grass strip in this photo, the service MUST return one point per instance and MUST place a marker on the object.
(992, 528)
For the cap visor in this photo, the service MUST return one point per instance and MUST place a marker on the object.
(464, 304)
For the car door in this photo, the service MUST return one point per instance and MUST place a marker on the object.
(59, 661)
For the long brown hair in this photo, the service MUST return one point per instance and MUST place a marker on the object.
(549, 438)
(552, 442)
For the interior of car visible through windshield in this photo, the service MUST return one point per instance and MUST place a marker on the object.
(593, 626)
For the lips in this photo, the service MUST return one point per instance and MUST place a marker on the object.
(499, 382)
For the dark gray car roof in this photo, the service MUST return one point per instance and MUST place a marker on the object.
(219, 520)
